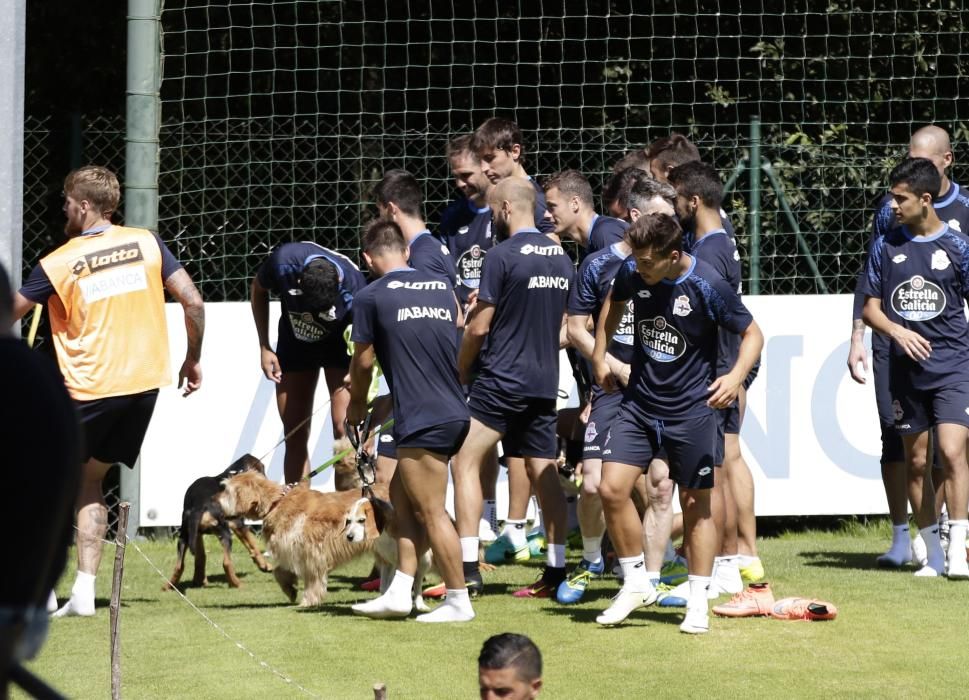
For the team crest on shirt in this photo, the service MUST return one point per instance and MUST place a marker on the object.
(955, 225)
(590, 432)
(681, 307)
(897, 413)
(900, 258)
(469, 267)
(940, 261)
(918, 299)
(661, 341)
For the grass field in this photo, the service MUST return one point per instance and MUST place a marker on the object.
(895, 636)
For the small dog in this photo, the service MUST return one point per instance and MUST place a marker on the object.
(345, 475)
(201, 513)
(303, 529)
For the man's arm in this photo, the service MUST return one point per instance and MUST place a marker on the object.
(21, 305)
(259, 302)
(582, 340)
(474, 334)
(914, 345)
(726, 388)
(609, 319)
(361, 375)
(180, 286)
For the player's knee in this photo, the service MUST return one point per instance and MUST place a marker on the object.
(612, 494)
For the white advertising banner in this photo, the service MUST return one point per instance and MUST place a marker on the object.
(810, 434)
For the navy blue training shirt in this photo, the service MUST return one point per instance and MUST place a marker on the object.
(922, 282)
(527, 278)
(280, 273)
(410, 318)
(720, 251)
(542, 222)
(677, 324)
(593, 282)
(468, 239)
(605, 231)
(429, 255)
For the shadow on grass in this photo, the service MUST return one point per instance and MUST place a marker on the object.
(862, 561)
(106, 602)
(664, 616)
(283, 603)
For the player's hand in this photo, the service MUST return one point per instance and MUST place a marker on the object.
(470, 307)
(604, 376)
(914, 345)
(270, 365)
(623, 374)
(190, 375)
(857, 354)
(585, 413)
(356, 412)
(724, 391)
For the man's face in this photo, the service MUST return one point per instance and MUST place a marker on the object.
(469, 178)
(562, 209)
(497, 164)
(685, 209)
(906, 205)
(75, 212)
(941, 161)
(505, 683)
(656, 205)
(653, 267)
(658, 170)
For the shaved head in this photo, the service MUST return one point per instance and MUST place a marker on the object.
(932, 142)
(517, 191)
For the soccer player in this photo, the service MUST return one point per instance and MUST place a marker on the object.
(680, 303)
(951, 205)
(499, 145)
(917, 276)
(615, 194)
(509, 668)
(407, 320)
(105, 294)
(315, 286)
(524, 285)
(698, 197)
(568, 197)
(593, 282)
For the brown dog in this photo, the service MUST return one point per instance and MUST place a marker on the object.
(303, 529)
(345, 475)
(202, 514)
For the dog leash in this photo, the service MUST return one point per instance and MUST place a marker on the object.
(366, 463)
(337, 457)
(291, 432)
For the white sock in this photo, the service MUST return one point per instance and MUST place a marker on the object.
(539, 520)
(592, 549)
(933, 547)
(901, 549)
(490, 514)
(469, 549)
(699, 585)
(401, 585)
(515, 529)
(653, 576)
(957, 537)
(455, 608)
(634, 573)
(670, 553)
(556, 555)
(745, 560)
(81, 601)
(52, 602)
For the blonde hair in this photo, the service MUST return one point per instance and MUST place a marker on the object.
(97, 185)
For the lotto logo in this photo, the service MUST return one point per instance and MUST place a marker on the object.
(108, 258)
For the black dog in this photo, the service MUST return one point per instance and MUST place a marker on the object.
(201, 513)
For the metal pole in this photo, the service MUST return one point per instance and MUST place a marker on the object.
(735, 173)
(143, 119)
(755, 205)
(12, 141)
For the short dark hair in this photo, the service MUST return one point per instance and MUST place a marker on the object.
(660, 233)
(380, 235)
(633, 159)
(320, 284)
(401, 188)
(510, 650)
(571, 183)
(919, 174)
(498, 134)
(645, 189)
(460, 144)
(672, 150)
(696, 179)
(620, 184)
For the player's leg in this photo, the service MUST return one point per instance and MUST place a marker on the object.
(898, 492)
(726, 570)
(488, 529)
(339, 398)
(658, 520)
(951, 433)
(512, 543)
(916, 447)
(294, 399)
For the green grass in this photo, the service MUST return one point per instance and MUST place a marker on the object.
(895, 636)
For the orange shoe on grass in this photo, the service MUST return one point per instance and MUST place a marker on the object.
(803, 609)
(756, 600)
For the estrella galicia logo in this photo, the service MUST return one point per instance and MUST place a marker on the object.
(661, 341)
(918, 299)
(469, 267)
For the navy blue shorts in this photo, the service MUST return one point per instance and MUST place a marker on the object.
(918, 410)
(527, 424)
(689, 443)
(728, 421)
(444, 439)
(605, 407)
(115, 427)
(297, 356)
(387, 444)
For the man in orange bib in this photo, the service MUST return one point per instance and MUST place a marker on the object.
(104, 292)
